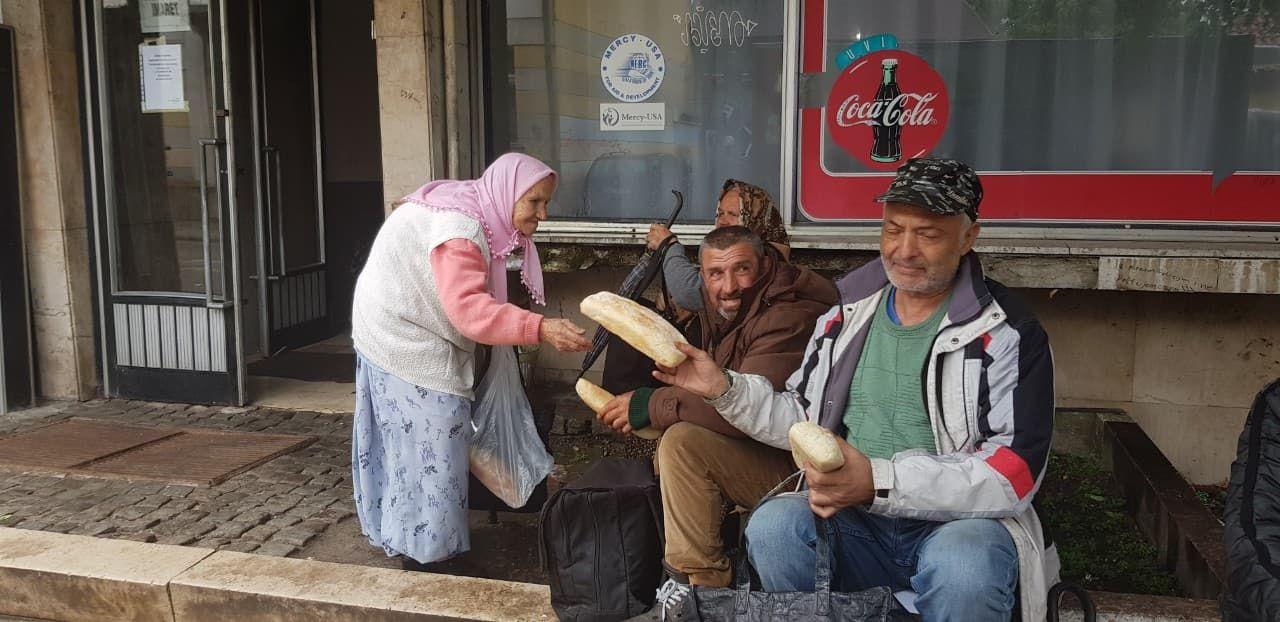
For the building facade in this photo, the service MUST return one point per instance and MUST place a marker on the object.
(201, 177)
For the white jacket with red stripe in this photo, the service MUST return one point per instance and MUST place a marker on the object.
(989, 393)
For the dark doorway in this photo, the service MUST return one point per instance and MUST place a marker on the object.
(352, 146)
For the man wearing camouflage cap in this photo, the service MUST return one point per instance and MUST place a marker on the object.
(941, 382)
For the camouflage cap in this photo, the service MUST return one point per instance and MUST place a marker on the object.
(942, 186)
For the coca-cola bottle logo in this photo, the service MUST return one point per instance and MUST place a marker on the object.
(887, 107)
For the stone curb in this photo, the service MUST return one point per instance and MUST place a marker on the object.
(66, 577)
(1113, 607)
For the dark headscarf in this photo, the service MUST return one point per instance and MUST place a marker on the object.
(759, 212)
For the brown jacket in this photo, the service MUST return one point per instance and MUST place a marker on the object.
(767, 337)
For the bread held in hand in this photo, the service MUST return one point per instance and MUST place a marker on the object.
(637, 325)
(597, 398)
(815, 445)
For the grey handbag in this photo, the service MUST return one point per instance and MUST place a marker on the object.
(747, 605)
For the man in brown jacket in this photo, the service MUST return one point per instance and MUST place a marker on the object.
(758, 315)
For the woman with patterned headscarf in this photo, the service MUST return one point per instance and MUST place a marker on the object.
(740, 203)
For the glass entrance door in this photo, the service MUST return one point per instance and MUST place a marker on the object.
(290, 197)
(162, 153)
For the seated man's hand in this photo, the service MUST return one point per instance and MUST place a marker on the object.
(657, 233)
(698, 374)
(846, 486)
(615, 412)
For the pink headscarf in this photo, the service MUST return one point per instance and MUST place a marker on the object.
(491, 199)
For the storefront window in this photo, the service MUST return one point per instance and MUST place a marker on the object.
(628, 100)
(1078, 111)
(153, 151)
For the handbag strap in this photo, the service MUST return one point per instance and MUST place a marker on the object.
(1090, 612)
(822, 564)
(743, 566)
(822, 567)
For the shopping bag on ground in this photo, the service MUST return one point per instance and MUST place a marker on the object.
(741, 602)
(507, 455)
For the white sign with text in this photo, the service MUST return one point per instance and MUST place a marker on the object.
(164, 15)
(162, 89)
(633, 117)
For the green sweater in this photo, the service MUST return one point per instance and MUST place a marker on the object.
(886, 411)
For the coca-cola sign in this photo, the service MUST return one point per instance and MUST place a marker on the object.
(887, 107)
(905, 109)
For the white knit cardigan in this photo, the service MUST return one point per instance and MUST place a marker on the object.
(398, 322)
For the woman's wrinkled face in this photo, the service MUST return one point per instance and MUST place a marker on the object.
(531, 209)
(729, 210)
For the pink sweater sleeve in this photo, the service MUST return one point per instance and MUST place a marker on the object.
(460, 277)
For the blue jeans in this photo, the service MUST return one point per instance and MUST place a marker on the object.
(964, 570)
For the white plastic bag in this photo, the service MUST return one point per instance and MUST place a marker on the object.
(507, 456)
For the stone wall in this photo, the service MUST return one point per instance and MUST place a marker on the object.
(53, 207)
(410, 109)
(1185, 366)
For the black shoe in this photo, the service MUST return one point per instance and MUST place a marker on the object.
(669, 601)
(669, 598)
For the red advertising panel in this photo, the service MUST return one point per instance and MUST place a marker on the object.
(1085, 130)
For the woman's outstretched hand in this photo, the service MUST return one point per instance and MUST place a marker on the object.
(698, 374)
(563, 335)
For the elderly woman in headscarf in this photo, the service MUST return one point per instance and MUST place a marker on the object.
(740, 203)
(434, 286)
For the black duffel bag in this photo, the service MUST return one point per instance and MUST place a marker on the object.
(600, 542)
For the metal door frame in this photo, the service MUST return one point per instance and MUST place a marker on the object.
(166, 374)
(268, 221)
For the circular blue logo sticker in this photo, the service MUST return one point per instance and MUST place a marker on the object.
(632, 68)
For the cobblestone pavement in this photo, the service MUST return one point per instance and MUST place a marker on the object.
(273, 509)
(299, 504)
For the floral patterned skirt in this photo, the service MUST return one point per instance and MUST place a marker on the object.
(409, 466)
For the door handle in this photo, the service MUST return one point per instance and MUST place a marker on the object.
(205, 143)
(274, 199)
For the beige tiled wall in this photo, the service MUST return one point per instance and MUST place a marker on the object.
(1185, 366)
(409, 157)
(53, 197)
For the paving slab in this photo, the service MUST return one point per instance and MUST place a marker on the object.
(287, 393)
(73, 578)
(180, 514)
(242, 587)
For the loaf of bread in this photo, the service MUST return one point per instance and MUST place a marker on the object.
(597, 398)
(594, 397)
(645, 330)
(815, 445)
(489, 468)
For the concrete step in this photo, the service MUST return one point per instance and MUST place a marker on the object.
(238, 586)
(50, 576)
(59, 577)
(53, 576)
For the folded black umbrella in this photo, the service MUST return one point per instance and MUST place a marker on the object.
(637, 281)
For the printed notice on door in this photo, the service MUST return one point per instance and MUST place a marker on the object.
(165, 15)
(162, 78)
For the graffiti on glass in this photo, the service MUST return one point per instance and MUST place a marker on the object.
(705, 29)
